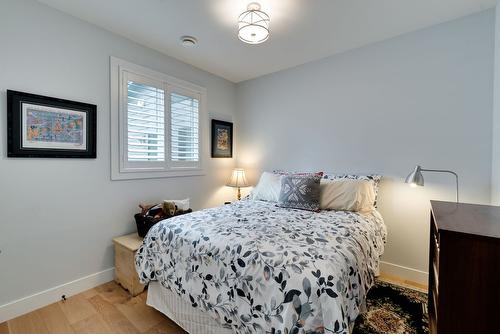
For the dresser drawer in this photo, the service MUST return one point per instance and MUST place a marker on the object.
(433, 310)
(435, 244)
(435, 275)
(435, 300)
(435, 249)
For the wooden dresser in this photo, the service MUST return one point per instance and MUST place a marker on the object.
(464, 269)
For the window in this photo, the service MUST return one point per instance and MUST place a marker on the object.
(145, 122)
(184, 128)
(155, 124)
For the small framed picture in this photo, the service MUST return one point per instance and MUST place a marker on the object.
(222, 139)
(47, 127)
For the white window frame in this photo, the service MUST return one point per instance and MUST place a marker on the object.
(121, 168)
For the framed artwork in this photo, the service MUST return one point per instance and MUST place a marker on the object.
(222, 139)
(47, 127)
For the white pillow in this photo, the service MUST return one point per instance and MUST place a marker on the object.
(268, 188)
(347, 195)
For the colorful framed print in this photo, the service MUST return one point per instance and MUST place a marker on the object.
(47, 127)
(222, 139)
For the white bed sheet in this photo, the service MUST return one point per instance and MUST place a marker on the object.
(183, 314)
(192, 320)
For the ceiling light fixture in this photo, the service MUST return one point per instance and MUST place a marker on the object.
(253, 25)
(188, 41)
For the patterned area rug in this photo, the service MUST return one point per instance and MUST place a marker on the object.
(393, 310)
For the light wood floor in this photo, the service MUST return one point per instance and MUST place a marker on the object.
(108, 309)
(402, 282)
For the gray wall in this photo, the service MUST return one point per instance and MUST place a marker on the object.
(423, 97)
(495, 164)
(58, 216)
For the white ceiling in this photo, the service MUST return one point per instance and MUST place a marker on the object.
(301, 30)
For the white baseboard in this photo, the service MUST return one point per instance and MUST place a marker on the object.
(27, 304)
(410, 274)
(30, 303)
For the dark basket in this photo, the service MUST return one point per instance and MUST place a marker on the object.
(144, 223)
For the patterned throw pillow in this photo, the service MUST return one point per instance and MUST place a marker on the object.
(284, 172)
(300, 192)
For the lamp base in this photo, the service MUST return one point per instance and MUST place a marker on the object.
(239, 193)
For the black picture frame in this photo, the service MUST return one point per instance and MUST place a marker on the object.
(82, 116)
(219, 129)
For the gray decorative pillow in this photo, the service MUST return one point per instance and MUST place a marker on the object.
(300, 192)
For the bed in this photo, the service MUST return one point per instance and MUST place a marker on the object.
(253, 267)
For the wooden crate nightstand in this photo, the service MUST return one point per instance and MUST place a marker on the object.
(125, 274)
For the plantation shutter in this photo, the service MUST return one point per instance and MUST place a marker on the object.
(159, 125)
(145, 121)
(184, 129)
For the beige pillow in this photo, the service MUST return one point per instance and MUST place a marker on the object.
(347, 195)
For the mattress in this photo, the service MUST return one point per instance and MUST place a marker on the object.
(253, 267)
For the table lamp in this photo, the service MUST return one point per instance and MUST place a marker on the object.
(237, 180)
(417, 179)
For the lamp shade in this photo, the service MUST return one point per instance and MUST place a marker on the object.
(237, 179)
(415, 178)
(253, 25)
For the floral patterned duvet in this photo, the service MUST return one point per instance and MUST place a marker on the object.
(258, 268)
